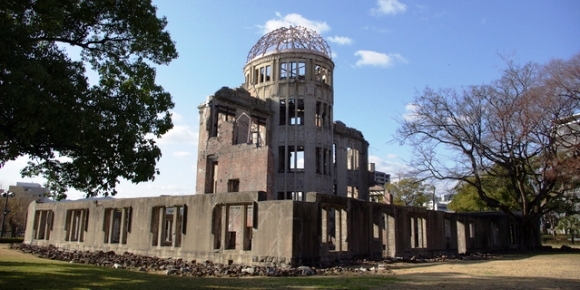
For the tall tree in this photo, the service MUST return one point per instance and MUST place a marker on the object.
(410, 192)
(81, 135)
(516, 128)
(466, 198)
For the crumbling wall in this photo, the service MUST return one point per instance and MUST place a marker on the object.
(246, 228)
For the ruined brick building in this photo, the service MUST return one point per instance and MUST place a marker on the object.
(278, 182)
(277, 133)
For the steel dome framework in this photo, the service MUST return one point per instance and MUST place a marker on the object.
(293, 38)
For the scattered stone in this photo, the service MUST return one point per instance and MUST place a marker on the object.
(306, 271)
(208, 268)
(118, 266)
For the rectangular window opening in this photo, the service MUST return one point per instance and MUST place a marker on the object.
(268, 73)
(296, 158)
(297, 108)
(284, 71)
(301, 70)
(211, 174)
(282, 112)
(233, 185)
(168, 225)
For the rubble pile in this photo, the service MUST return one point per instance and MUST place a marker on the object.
(181, 267)
(207, 268)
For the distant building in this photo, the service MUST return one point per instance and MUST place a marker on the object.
(441, 202)
(17, 206)
(32, 191)
(377, 191)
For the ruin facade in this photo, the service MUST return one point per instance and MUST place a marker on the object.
(276, 133)
(279, 181)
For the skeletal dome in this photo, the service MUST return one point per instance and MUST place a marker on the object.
(295, 38)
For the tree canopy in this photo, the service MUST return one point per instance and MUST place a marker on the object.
(79, 134)
(522, 128)
(466, 198)
(410, 192)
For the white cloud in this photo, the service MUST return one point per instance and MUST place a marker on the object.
(411, 112)
(340, 40)
(374, 58)
(179, 134)
(181, 153)
(176, 117)
(294, 19)
(386, 7)
(391, 164)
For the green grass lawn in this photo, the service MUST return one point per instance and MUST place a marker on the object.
(23, 271)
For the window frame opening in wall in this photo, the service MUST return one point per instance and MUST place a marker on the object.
(117, 225)
(448, 235)
(334, 229)
(290, 159)
(321, 74)
(513, 234)
(211, 173)
(240, 222)
(221, 113)
(296, 158)
(217, 227)
(495, 233)
(43, 223)
(322, 165)
(352, 159)
(291, 195)
(76, 224)
(283, 113)
(471, 226)
(242, 128)
(418, 232)
(291, 70)
(284, 71)
(282, 159)
(296, 106)
(234, 185)
(301, 70)
(265, 74)
(321, 115)
(168, 225)
(258, 131)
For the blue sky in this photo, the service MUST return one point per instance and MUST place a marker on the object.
(385, 52)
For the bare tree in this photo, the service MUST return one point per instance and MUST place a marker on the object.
(511, 128)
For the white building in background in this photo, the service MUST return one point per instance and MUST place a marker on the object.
(441, 202)
(32, 191)
(377, 191)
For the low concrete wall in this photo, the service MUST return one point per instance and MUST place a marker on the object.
(245, 228)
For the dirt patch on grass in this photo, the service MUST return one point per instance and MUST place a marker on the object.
(548, 270)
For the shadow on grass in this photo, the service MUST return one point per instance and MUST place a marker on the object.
(24, 272)
(17, 275)
(74, 276)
